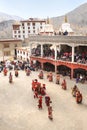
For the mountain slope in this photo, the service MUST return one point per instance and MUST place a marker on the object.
(6, 29)
(77, 18)
(5, 17)
(6, 22)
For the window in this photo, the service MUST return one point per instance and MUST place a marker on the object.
(15, 45)
(33, 24)
(28, 27)
(6, 53)
(28, 24)
(23, 31)
(27, 54)
(40, 27)
(16, 27)
(23, 27)
(19, 36)
(22, 24)
(29, 31)
(6, 45)
(15, 36)
(24, 53)
(18, 31)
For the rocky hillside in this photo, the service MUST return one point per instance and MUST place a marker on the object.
(77, 18)
(5, 17)
(6, 22)
(6, 29)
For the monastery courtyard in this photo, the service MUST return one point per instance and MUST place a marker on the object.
(19, 111)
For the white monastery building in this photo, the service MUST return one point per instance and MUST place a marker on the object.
(23, 53)
(33, 26)
(23, 29)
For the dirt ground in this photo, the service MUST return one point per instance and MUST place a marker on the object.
(19, 111)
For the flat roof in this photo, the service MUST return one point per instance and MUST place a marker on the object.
(10, 40)
(33, 20)
(59, 39)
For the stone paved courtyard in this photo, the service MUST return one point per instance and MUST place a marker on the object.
(19, 111)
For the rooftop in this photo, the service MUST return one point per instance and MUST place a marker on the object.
(59, 39)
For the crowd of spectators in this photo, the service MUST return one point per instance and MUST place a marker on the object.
(81, 57)
(65, 55)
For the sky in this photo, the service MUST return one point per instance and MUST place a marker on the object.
(39, 8)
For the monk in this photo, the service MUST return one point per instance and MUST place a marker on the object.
(28, 71)
(50, 116)
(78, 97)
(40, 102)
(40, 74)
(47, 100)
(35, 94)
(10, 78)
(16, 73)
(5, 71)
(74, 90)
(57, 79)
(50, 77)
(64, 86)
